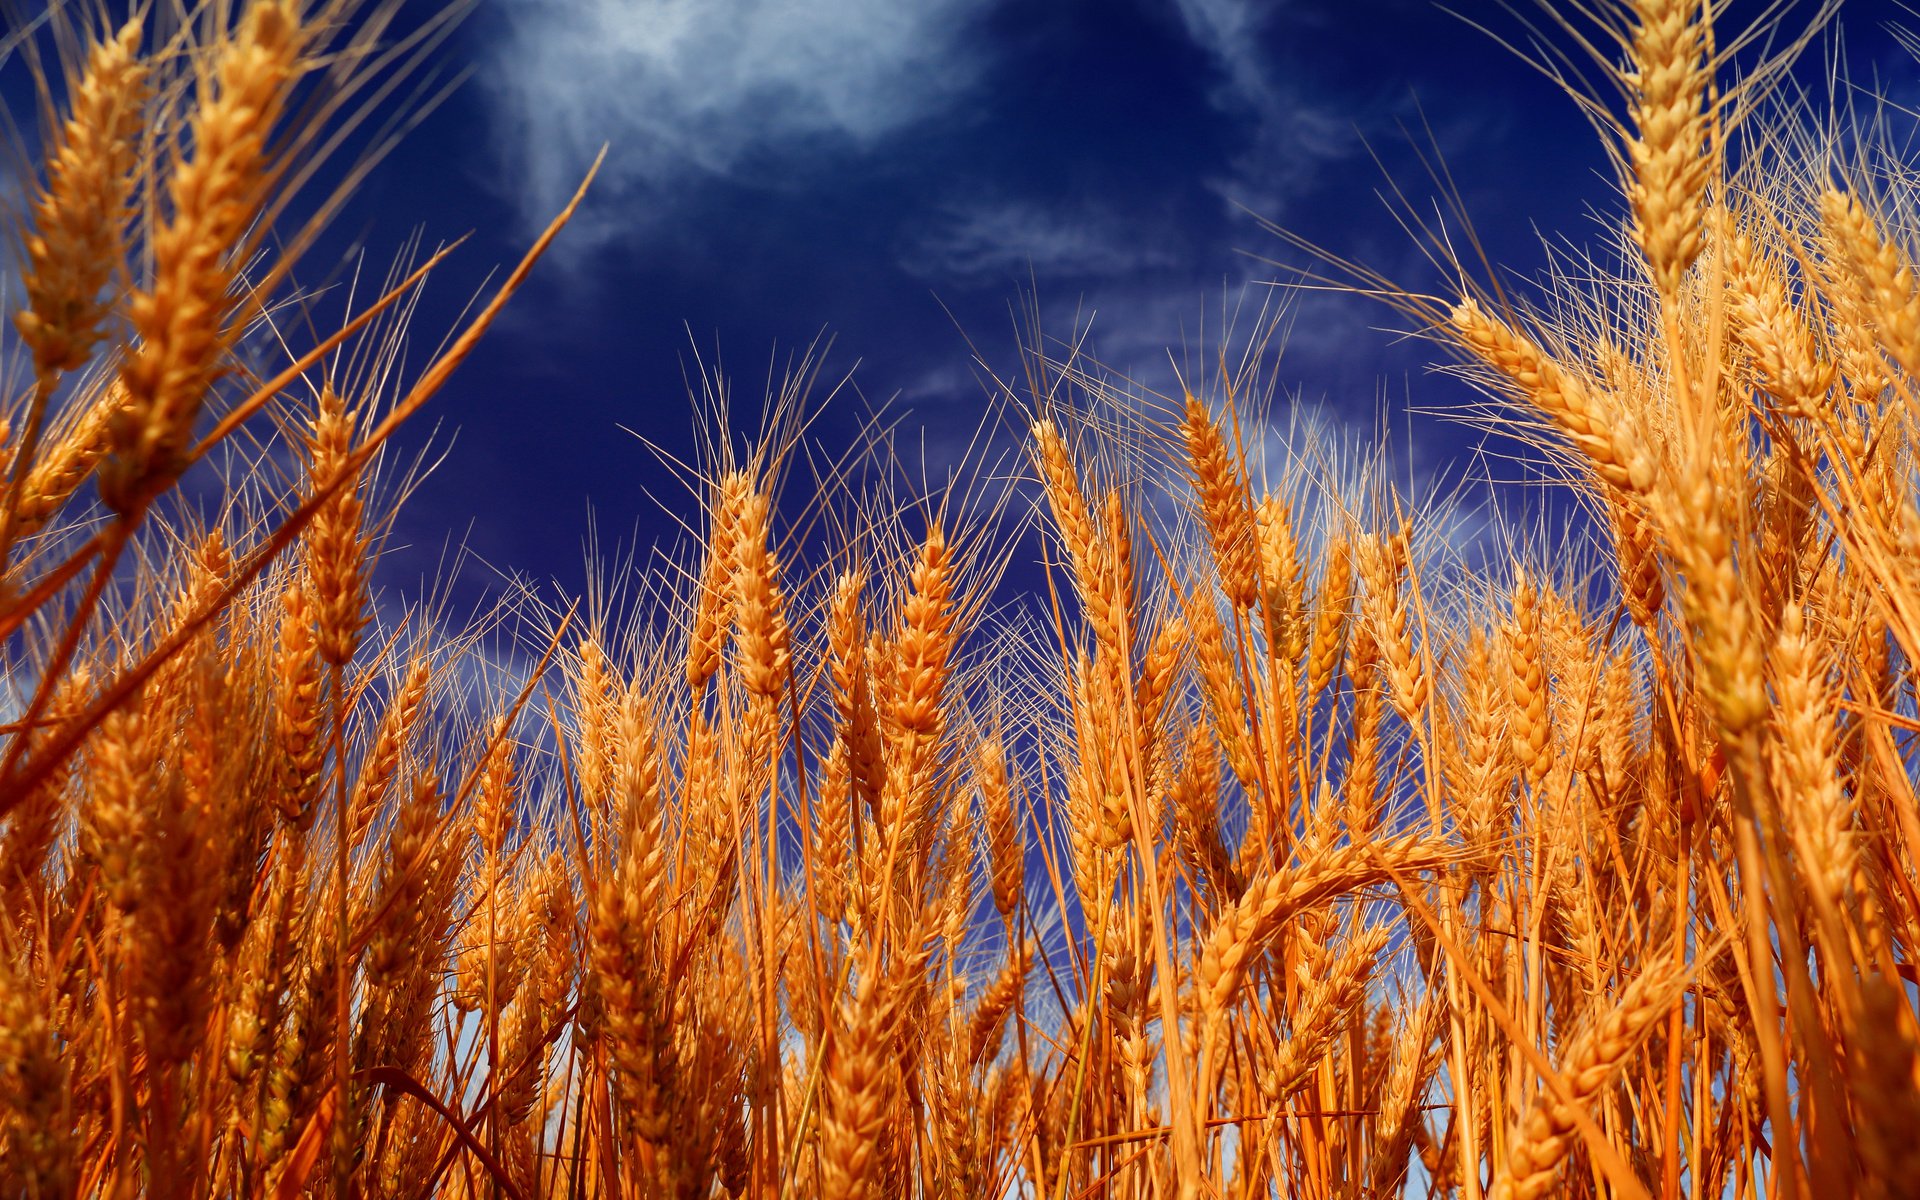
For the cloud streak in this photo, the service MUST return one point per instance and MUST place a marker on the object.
(996, 241)
(693, 90)
(1294, 133)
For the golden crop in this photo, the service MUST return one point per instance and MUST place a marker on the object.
(1280, 853)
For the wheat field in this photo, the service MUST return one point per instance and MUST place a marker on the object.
(1272, 847)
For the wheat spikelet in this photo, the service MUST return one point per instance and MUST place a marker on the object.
(1480, 772)
(1327, 1000)
(1770, 327)
(1084, 539)
(80, 218)
(297, 709)
(713, 612)
(988, 1018)
(638, 775)
(1588, 1065)
(759, 604)
(859, 1088)
(1223, 505)
(925, 639)
(1281, 586)
(1362, 781)
(1717, 608)
(1384, 605)
(113, 823)
(382, 761)
(1605, 436)
(413, 851)
(181, 319)
(1006, 849)
(336, 565)
(59, 471)
(42, 1154)
(1884, 278)
(1271, 901)
(496, 795)
(1527, 687)
(1397, 1127)
(1641, 586)
(1806, 765)
(1330, 618)
(1220, 683)
(629, 1006)
(1669, 154)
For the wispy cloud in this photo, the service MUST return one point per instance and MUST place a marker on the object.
(685, 90)
(1294, 134)
(1002, 240)
(1230, 31)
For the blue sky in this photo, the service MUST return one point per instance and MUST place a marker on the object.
(896, 174)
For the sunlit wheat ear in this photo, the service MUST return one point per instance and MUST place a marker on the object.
(1006, 848)
(639, 789)
(80, 218)
(62, 465)
(1414, 1062)
(1360, 787)
(1244, 930)
(925, 639)
(988, 1019)
(1544, 1136)
(1088, 551)
(336, 559)
(215, 193)
(1805, 763)
(1282, 587)
(1771, 328)
(860, 1087)
(1528, 723)
(1669, 152)
(1715, 602)
(497, 796)
(762, 639)
(713, 607)
(381, 763)
(853, 771)
(1642, 587)
(412, 860)
(1384, 604)
(1607, 438)
(1479, 770)
(1327, 999)
(1882, 274)
(1224, 510)
(1331, 608)
(1220, 684)
(298, 714)
(628, 1007)
(596, 721)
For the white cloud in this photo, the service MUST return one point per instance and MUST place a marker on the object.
(1002, 240)
(1229, 31)
(686, 89)
(1294, 133)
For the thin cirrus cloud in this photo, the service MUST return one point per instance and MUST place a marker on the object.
(1007, 240)
(782, 93)
(684, 90)
(1230, 31)
(1291, 134)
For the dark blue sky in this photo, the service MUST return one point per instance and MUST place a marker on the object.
(895, 173)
